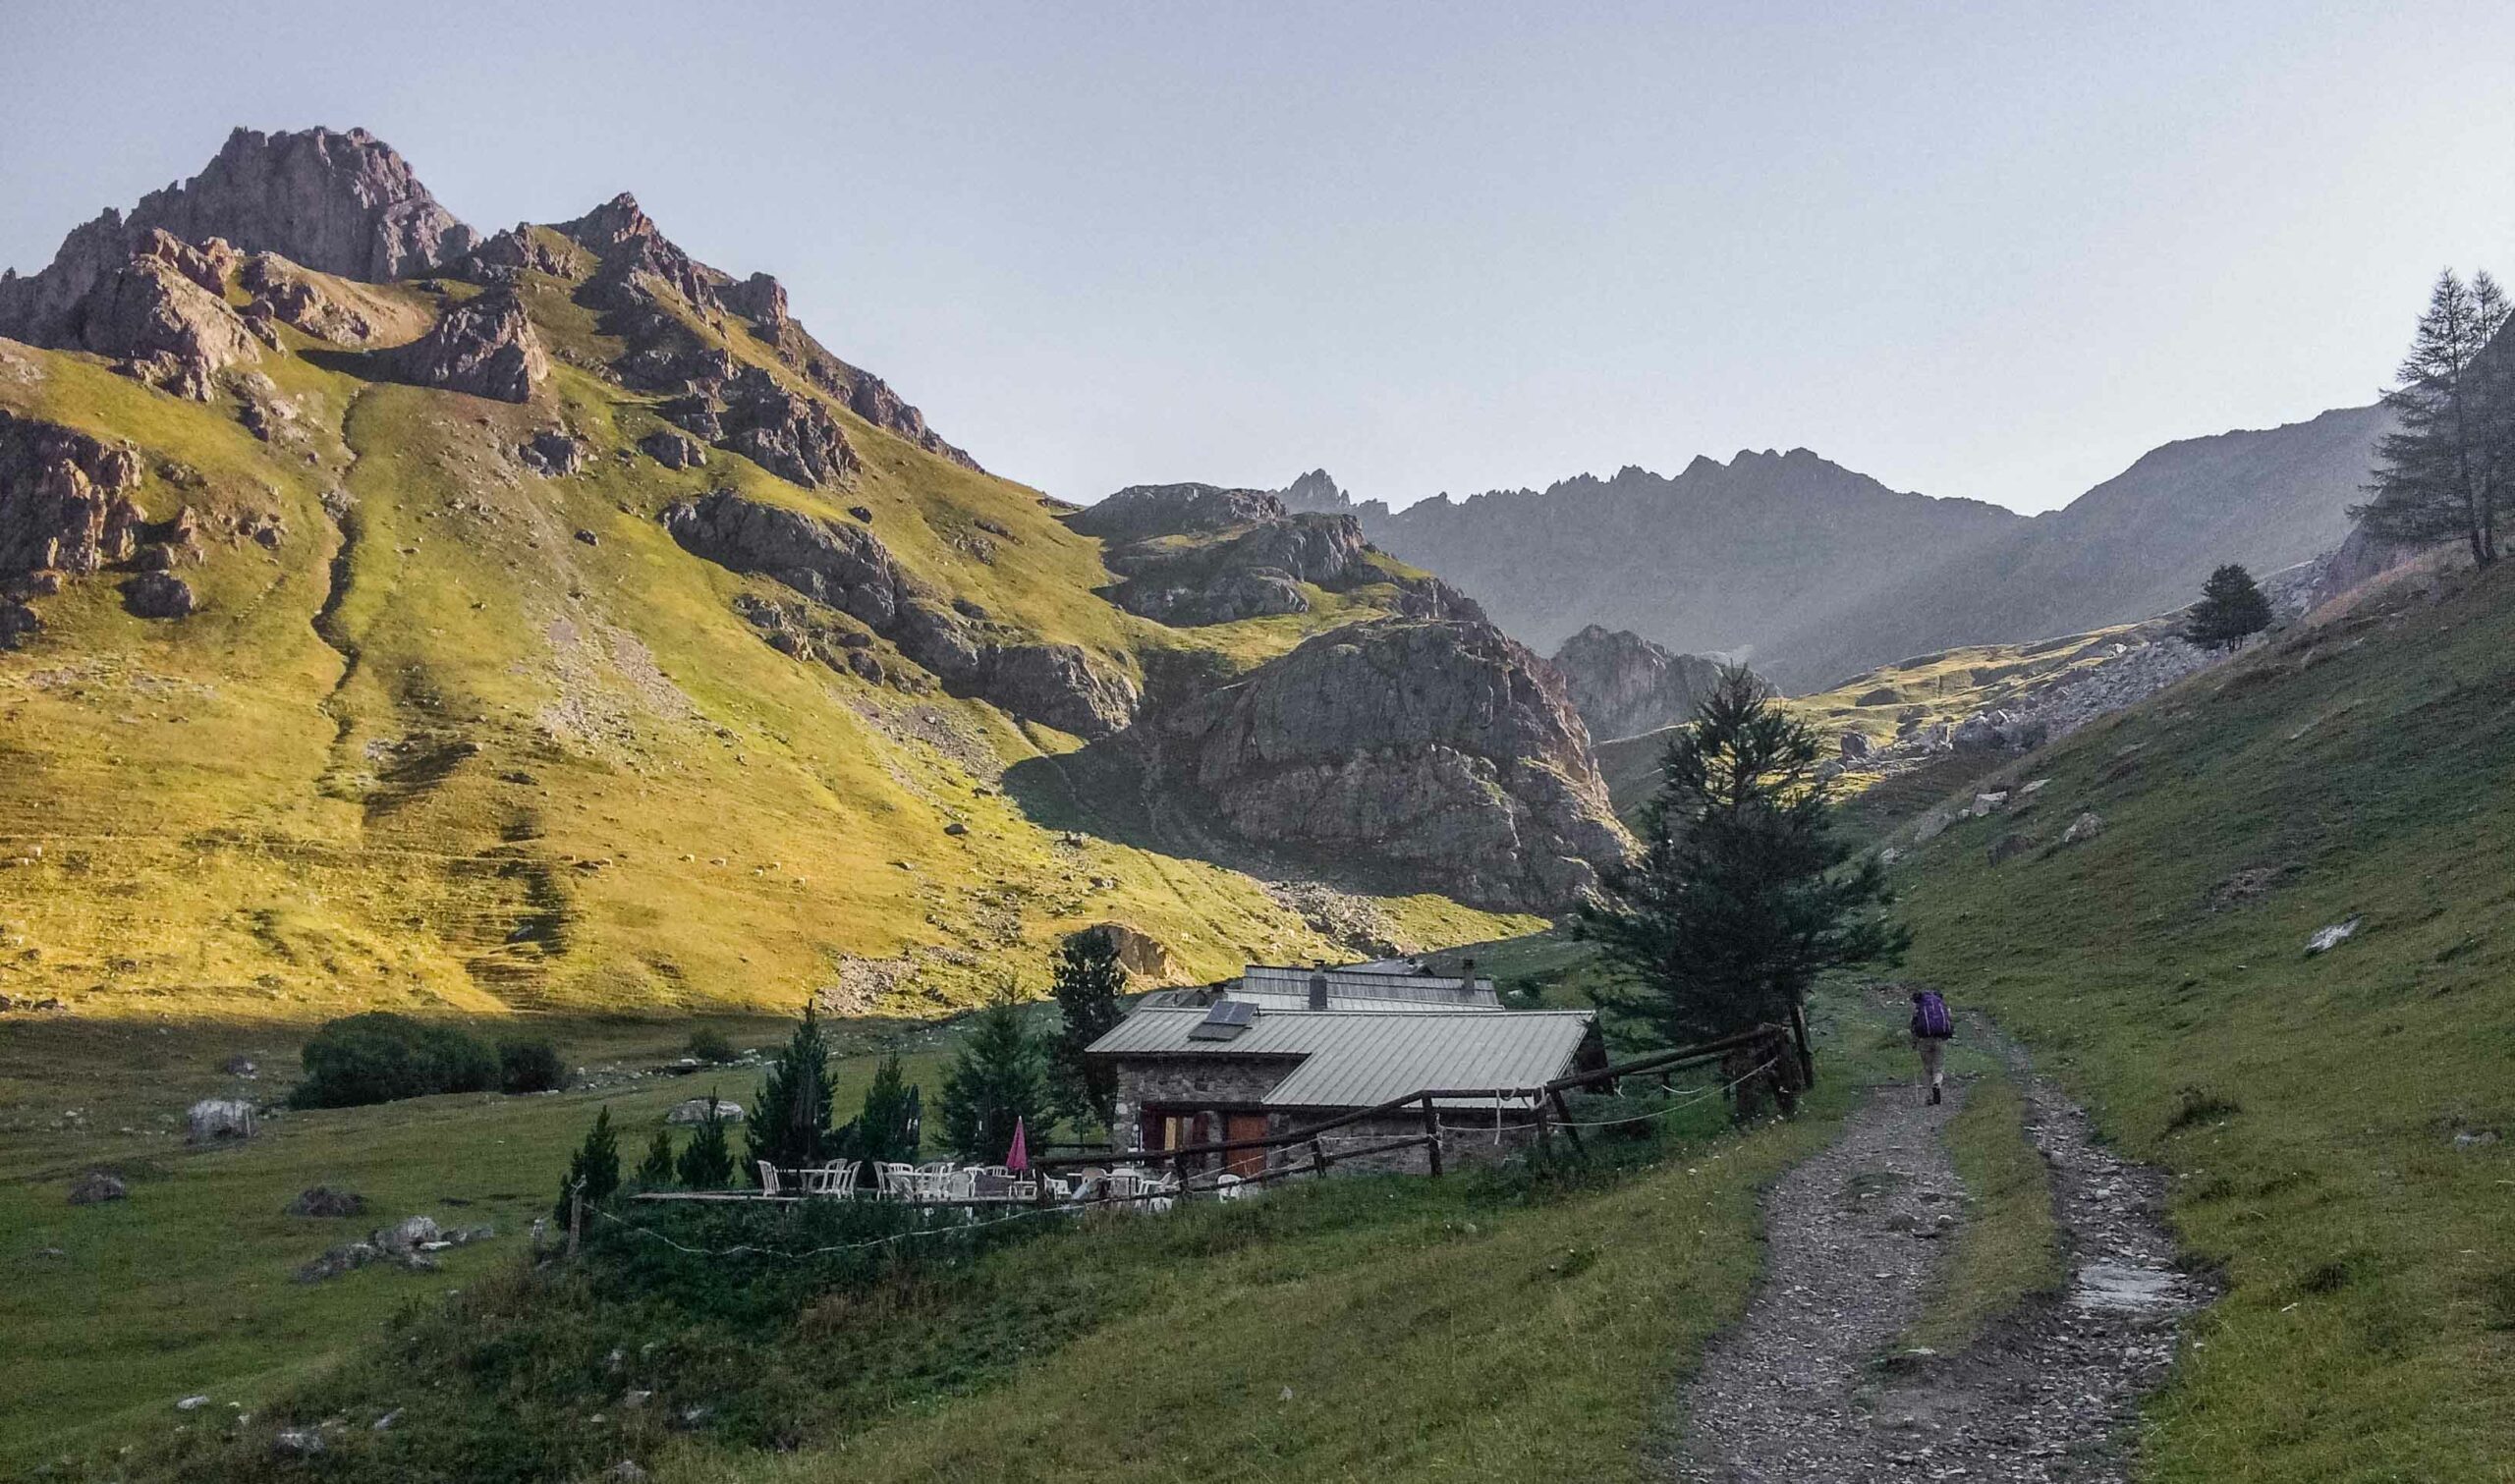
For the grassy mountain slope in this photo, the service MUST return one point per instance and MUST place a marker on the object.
(443, 751)
(2337, 1123)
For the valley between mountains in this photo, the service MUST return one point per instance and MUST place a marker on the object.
(539, 628)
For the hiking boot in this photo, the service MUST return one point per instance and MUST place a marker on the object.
(1933, 1097)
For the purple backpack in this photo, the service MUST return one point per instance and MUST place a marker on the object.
(1930, 1019)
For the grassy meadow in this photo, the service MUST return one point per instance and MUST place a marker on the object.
(2337, 1123)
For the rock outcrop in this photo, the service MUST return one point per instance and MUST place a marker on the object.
(292, 296)
(164, 318)
(1623, 684)
(1443, 750)
(64, 499)
(484, 345)
(1194, 553)
(848, 568)
(340, 203)
(640, 269)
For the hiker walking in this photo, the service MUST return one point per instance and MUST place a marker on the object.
(1933, 1025)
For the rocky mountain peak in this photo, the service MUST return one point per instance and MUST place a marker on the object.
(343, 203)
(615, 222)
(1623, 684)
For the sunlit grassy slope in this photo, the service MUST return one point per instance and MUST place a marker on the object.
(2340, 1127)
(1923, 690)
(479, 738)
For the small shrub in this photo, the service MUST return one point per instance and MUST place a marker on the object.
(655, 1171)
(380, 1056)
(530, 1066)
(708, 1044)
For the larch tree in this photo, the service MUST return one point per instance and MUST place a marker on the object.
(2447, 470)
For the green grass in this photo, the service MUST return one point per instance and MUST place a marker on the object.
(1420, 1325)
(183, 1288)
(2008, 1250)
(2307, 1106)
(559, 775)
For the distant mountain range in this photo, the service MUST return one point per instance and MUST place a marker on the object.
(1813, 572)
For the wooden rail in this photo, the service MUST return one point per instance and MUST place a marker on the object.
(1548, 1098)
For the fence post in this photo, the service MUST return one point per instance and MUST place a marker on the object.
(1433, 1132)
(1319, 1159)
(576, 1218)
(1544, 1130)
(1569, 1131)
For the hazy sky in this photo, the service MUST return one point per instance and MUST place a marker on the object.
(1993, 250)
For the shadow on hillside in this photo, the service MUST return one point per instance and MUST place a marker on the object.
(1111, 791)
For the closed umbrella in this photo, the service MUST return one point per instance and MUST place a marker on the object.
(1017, 1158)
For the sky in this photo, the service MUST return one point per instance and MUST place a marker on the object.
(1983, 251)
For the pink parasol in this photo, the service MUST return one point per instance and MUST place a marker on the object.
(1018, 1156)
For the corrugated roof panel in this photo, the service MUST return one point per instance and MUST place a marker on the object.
(1359, 1057)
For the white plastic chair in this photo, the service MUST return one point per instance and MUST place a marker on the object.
(767, 1178)
(1227, 1188)
(895, 1181)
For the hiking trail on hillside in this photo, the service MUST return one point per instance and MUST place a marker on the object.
(1811, 1387)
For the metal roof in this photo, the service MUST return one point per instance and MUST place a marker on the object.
(1264, 982)
(1362, 1057)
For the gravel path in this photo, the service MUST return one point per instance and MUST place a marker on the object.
(1798, 1393)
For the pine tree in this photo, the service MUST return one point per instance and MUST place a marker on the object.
(1089, 980)
(595, 1169)
(790, 1125)
(654, 1171)
(2230, 609)
(2448, 468)
(1742, 894)
(707, 1162)
(996, 1079)
(885, 1129)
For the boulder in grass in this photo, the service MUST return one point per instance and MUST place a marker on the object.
(322, 1200)
(695, 1112)
(214, 1119)
(95, 1187)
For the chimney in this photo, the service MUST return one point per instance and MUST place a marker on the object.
(1318, 989)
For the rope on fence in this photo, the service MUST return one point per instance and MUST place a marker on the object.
(1759, 1069)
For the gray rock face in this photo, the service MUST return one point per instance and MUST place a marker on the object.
(341, 203)
(64, 499)
(323, 1201)
(673, 450)
(1141, 512)
(214, 1119)
(1442, 748)
(484, 345)
(1244, 557)
(95, 1187)
(164, 318)
(2363, 556)
(289, 293)
(784, 433)
(553, 452)
(849, 568)
(1623, 684)
(158, 595)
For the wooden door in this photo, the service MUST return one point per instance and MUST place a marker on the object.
(1240, 1126)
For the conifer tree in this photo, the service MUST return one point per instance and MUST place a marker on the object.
(595, 1169)
(655, 1171)
(1743, 893)
(790, 1126)
(707, 1162)
(1089, 980)
(885, 1129)
(2447, 470)
(2230, 609)
(996, 1079)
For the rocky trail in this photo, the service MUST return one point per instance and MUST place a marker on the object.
(1811, 1386)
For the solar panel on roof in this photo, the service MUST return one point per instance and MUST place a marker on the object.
(1226, 1019)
